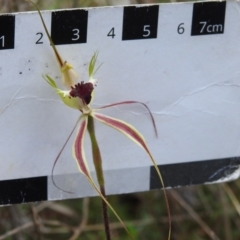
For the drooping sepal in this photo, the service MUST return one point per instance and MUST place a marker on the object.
(132, 133)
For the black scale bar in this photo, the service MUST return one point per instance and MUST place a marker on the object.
(70, 26)
(23, 190)
(208, 18)
(174, 175)
(191, 173)
(7, 31)
(140, 22)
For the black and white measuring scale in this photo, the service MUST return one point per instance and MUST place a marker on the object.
(182, 60)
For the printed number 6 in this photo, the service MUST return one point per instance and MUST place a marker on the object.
(146, 30)
(180, 28)
(76, 34)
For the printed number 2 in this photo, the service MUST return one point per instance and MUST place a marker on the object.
(76, 34)
(39, 40)
(146, 30)
(2, 38)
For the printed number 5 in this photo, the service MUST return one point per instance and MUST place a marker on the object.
(76, 35)
(146, 30)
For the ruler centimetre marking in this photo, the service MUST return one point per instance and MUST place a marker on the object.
(70, 27)
(138, 23)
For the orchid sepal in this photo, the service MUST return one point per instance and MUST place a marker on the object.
(132, 133)
(72, 102)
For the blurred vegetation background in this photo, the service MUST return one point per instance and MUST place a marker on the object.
(198, 212)
(8, 6)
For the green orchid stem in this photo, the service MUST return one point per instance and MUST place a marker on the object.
(97, 160)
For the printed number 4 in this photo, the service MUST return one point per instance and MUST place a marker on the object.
(146, 30)
(111, 33)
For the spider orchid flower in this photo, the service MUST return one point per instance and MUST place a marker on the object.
(79, 96)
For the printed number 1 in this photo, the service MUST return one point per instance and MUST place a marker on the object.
(2, 38)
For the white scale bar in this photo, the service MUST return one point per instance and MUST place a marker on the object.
(190, 83)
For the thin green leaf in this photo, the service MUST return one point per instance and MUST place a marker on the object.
(69, 77)
(48, 35)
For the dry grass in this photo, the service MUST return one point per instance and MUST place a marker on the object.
(198, 212)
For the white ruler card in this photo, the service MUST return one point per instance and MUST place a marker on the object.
(182, 60)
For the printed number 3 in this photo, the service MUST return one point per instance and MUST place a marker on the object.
(146, 30)
(76, 34)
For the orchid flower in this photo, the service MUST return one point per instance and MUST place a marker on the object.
(79, 96)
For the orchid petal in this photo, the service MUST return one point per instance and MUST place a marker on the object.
(91, 72)
(79, 156)
(75, 103)
(124, 128)
(92, 64)
(78, 147)
(131, 102)
(132, 133)
(91, 68)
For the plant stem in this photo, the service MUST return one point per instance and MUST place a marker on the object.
(97, 160)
